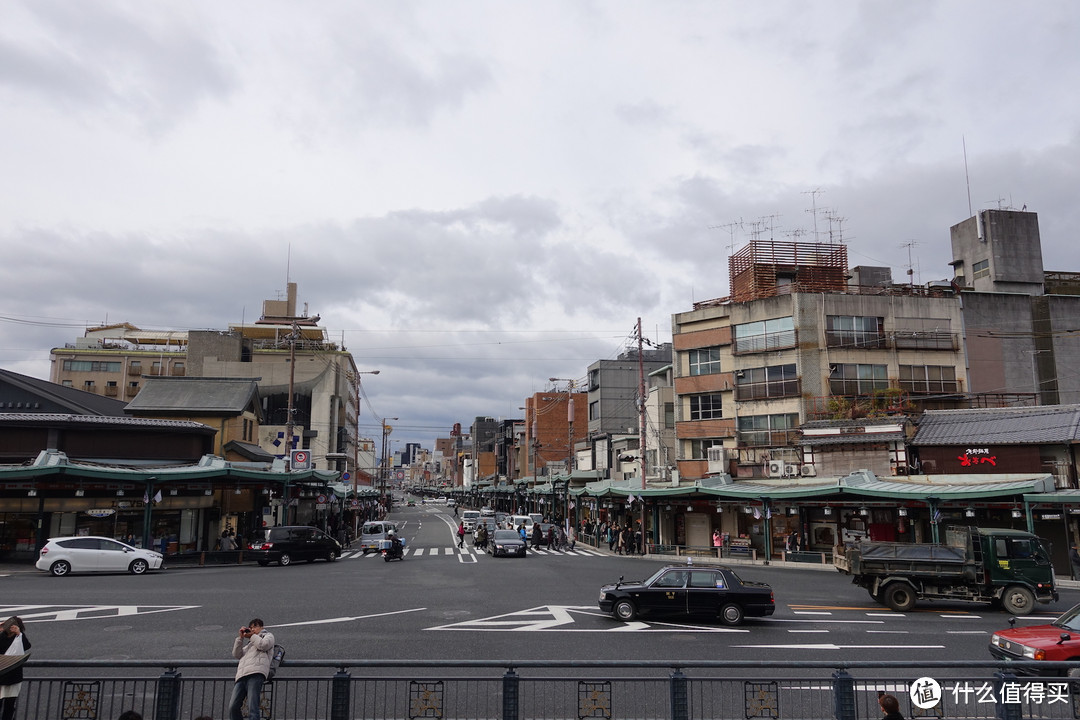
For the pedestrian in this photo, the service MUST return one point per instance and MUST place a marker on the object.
(1074, 558)
(164, 543)
(461, 534)
(571, 537)
(537, 535)
(612, 535)
(791, 544)
(13, 641)
(253, 646)
(562, 539)
(552, 543)
(227, 543)
(890, 707)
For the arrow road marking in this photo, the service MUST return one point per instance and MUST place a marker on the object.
(346, 619)
(62, 613)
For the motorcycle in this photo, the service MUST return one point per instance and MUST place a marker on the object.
(395, 551)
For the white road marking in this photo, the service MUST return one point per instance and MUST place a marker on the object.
(808, 631)
(888, 614)
(830, 620)
(888, 632)
(830, 646)
(345, 619)
(957, 616)
(810, 612)
(966, 632)
(62, 613)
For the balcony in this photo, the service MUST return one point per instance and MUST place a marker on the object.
(910, 340)
(766, 342)
(111, 391)
(177, 371)
(855, 340)
(135, 370)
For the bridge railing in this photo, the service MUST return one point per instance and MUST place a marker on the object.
(541, 690)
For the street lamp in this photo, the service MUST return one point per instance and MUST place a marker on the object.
(386, 430)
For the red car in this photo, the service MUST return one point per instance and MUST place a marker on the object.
(1057, 642)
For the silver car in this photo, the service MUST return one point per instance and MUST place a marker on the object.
(87, 553)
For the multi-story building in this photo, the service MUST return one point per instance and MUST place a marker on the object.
(554, 422)
(796, 341)
(324, 379)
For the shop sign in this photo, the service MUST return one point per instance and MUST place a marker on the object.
(976, 456)
(99, 512)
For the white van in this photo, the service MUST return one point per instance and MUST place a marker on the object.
(373, 536)
(526, 520)
(469, 517)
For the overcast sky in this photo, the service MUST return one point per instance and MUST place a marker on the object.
(478, 196)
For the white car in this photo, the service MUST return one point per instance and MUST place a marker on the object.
(88, 553)
(487, 511)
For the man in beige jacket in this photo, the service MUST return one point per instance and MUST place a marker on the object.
(254, 656)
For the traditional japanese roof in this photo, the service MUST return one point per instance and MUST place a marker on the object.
(196, 396)
(58, 397)
(1044, 424)
(61, 420)
(249, 450)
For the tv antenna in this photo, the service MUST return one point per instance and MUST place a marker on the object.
(910, 266)
(813, 206)
(730, 227)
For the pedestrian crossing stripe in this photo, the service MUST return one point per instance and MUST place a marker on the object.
(429, 551)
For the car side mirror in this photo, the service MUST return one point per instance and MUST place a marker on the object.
(1012, 621)
(1063, 637)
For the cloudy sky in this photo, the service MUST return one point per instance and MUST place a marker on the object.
(478, 196)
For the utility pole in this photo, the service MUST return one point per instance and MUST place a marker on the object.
(641, 423)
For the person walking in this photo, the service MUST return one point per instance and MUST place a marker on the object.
(1074, 559)
(552, 541)
(537, 535)
(461, 534)
(571, 537)
(253, 647)
(13, 641)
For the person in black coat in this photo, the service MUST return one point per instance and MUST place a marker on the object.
(890, 707)
(12, 633)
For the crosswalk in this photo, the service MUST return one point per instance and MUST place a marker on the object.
(470, 551)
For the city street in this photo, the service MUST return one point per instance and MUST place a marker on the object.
(442, 603)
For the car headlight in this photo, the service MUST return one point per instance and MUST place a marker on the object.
(996, 640)
(602, 595)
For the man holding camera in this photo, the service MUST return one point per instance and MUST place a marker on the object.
(254, 656)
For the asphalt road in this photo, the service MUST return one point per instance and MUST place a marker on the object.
(440, 603)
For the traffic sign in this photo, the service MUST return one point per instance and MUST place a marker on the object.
(345, 477)
(321, 499)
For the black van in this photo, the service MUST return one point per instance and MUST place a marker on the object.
(286, 543)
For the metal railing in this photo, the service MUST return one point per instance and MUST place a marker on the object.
(450, 689)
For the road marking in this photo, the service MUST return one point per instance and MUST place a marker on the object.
(961, 617)
(808, 631)
(345, 619)
(830, 646)
(888, 614)
(561, 618)
(888, 632)
(810, 612)
(831, 621)
(62, 613)
(966, 632)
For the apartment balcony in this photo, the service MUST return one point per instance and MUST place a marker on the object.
(691, 429)
(769, 390)
(926, 341)
(767, 342)
(135, 370)
(177, 372)
(850, 339)
(112, 391)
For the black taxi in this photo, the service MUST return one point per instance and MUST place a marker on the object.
(712, 591)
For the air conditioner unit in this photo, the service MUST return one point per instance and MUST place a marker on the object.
(776, 468)
(809, 471)
(717, 459)
(791, 470)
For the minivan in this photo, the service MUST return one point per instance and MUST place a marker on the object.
(285, 543)
(373, 536)
(526, 520)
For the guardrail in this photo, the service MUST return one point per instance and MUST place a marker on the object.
(451, 689)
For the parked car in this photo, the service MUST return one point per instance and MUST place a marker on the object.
(711, 591)
(507, 542)
(286, 543)
(87, 553)
(1054, 642)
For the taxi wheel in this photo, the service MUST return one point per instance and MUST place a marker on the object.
(1018, 600)
(331, 556)
(731, 614)
(138, 567)
(285, 559)
(625, 610)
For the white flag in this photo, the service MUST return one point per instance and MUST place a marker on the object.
(146, 498)
(157, 498)
(757, 514)
(630, 501)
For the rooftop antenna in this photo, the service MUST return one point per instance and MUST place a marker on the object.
(813, 206)
(770, 220)
(730, 227)
(967, 180)
(838, 239)
(910, 267)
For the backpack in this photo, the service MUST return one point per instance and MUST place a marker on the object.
(276, 656)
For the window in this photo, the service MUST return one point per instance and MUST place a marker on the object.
(88, 385)
(767, 430)
(155, 368)
(673, 579)
(980, 269)
(669, 415)
(766, 382)
(65, 383)
(924, 379)
(594, 410)
(857, 379)
(705, 407)
(91, 366)
(704, 361)
(706, 579)
(699, 449)
(594, 380)
(765, 335)
(177, 367)
(853, 331)
(134, 384)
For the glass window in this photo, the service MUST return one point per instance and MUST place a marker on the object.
(980, 269)
(854, 331)
(706, 579)
(857, 379)
(669, 415)
(767, 430)
(672, 579)
(925, 379)
(704, 361)
(766, 382)
(594, 410)
(765, 335)
(91, 366)
(699, 449)
(706, 407)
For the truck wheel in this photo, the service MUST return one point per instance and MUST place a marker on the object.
(876, 597)
(900, 597)
(1018, 600)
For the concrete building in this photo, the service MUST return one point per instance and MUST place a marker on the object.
(554, 422)
(795, 342)
(114, 360)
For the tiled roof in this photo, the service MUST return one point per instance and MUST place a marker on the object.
(189, 395)
(96, 420)
(61, 397)
(1000, 426)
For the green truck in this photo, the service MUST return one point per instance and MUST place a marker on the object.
(1008, 569)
